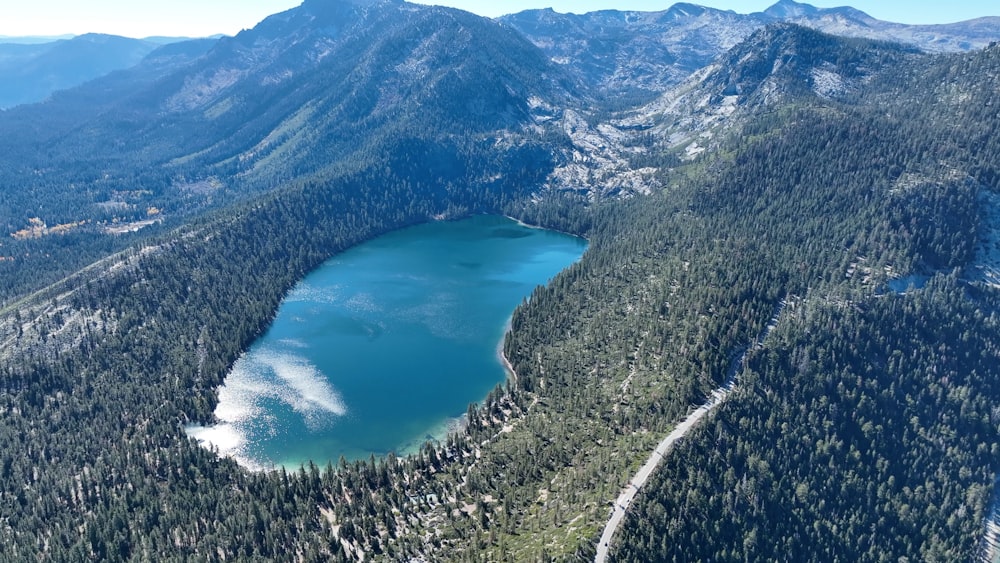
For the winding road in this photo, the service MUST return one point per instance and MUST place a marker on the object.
(991, 539)
(639, 479)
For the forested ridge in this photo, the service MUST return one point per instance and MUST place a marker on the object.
(329, 89)
(862, 428)
(865, 428)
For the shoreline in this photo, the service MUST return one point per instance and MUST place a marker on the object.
(541, 228)
(511, 375)
(208, 435)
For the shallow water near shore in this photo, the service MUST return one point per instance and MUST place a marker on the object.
(385, 345)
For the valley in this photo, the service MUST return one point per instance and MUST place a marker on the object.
(722, 167)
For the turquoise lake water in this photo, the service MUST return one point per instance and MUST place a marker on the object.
(385, 345)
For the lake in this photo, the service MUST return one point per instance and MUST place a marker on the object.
(385, 345)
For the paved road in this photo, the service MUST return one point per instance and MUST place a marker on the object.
(991, 539)
(628, 494)
(639, 479)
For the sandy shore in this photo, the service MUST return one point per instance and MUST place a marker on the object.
(507, 366)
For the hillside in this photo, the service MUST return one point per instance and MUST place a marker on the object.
(31, 72)
(844, 183)
(327, 89)
(632, 53)
(629, 56)
(828, 437)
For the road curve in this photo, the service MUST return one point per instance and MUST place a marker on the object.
(639, 479)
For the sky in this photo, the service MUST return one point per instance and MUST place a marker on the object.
(200, 18)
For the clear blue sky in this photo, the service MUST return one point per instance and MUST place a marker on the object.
(140, 18)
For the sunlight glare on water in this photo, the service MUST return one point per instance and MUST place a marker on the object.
(384, 345)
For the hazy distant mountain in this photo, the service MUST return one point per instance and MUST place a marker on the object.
(32, 39)
(634, 52)
(31, 72)
(166, 40)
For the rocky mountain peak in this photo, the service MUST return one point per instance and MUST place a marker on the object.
(321, 7)
(785, 59)
(821, 18)
(685, 10)
(787, 9)
(778, 63)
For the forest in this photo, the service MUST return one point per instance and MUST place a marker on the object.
(861, 429)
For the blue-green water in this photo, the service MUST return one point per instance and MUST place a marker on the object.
(385, 344)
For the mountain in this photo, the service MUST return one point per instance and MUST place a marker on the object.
(628, 55)
(632, 53)
(790, 9)
(776, 65)
(31, 40)
(166, 40)
(436, 95)
(747, 475)
(336, 70)
(849, 22)
(31, 72)
(807, 222)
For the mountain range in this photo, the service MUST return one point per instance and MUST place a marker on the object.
(632, 54)
(616, 52)
(32, 70)
(290, 96)
(800, 203)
